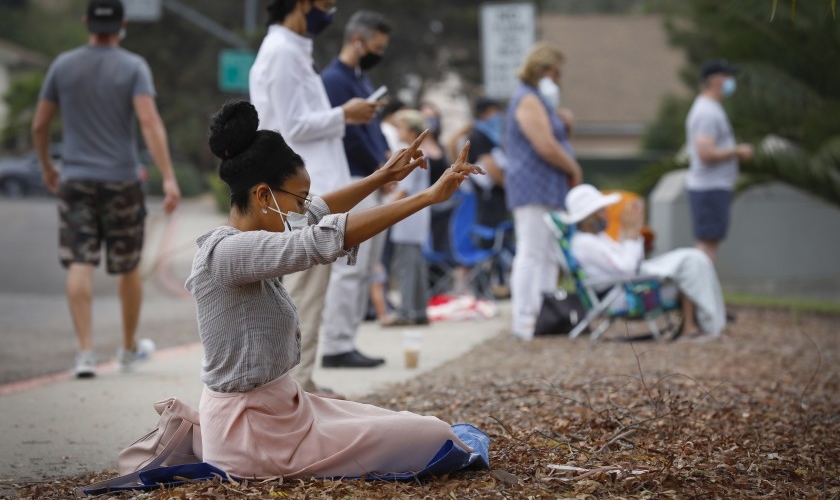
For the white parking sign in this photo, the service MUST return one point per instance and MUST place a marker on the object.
(508, 30)
(142, 10)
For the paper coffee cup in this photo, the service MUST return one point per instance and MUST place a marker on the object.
(412, 342)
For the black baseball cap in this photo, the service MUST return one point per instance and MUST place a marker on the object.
(105, 16)
(715, 66)
(482, 104)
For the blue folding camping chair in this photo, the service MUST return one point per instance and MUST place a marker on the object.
(642, 293)
(484, 263)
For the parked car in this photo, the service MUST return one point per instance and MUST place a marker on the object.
(21, 176)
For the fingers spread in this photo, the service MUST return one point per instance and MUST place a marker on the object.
(416, 144)
(467, 168)
(415, 162)
(463, 156)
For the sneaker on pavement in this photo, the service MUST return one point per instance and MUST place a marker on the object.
(143, 350)
(85, 364)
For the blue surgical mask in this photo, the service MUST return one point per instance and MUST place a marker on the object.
(317, 20)
(491, 127)
(729, 86)
(293, 220)
(433, 123)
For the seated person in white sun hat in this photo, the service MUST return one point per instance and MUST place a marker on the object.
(601, 257)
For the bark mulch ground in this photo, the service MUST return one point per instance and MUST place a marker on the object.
(753, 415)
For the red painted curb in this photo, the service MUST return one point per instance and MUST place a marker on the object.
(105, 367)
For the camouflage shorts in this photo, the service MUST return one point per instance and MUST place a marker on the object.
(90, 212)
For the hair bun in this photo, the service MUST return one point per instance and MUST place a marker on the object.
(233, 128)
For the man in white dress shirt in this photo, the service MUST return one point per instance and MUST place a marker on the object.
(290, 98)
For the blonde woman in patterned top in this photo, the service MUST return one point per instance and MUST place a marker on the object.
(256, 420)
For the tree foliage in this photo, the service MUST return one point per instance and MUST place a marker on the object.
(428, 37)
(787, 88)
(19, 98)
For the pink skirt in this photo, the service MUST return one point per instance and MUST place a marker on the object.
(280, 430)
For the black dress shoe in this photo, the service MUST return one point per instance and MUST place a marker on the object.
(352, 359)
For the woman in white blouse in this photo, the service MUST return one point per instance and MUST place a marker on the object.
(256, 420)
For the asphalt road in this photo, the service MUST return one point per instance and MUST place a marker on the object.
(36, 334)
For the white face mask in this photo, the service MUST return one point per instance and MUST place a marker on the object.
(293, 220)
(549, 91)
(729, 86)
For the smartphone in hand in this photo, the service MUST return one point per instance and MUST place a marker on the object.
(378, 94)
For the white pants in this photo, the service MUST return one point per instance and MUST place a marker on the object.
(348, 293)
(536, 267)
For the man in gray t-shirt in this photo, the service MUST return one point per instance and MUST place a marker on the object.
(100, 89)
(714, 156)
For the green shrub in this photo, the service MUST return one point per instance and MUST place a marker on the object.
(645, 179)
(608, 172)
(221, 192)
(189, 180)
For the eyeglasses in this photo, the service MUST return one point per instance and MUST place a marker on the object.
(306, 200)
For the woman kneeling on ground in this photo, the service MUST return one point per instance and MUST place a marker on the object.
(256, 420)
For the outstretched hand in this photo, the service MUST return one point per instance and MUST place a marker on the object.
(404, 161)
(453, 176)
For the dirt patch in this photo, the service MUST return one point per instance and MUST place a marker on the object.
(753, 415)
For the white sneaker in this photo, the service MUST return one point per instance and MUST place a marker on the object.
(144, 348)
(522, 336)
(85, 364)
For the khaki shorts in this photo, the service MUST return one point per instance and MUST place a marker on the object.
(91, 212)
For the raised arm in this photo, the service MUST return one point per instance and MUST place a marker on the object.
(367, 223)
(396, 169)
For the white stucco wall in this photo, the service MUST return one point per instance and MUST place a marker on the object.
(782, 241)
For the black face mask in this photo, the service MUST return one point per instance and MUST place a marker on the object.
(317, 20)
(369, 60)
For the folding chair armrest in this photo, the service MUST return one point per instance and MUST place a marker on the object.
(494, 234)
(645, 277)
(484, 232)
(607, 282)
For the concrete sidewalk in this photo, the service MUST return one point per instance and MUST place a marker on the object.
(72, 426)
(59, 426)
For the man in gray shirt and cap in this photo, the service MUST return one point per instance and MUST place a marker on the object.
(714, 156)
(100, 88)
